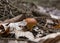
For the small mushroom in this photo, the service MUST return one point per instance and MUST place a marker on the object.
(31, 22)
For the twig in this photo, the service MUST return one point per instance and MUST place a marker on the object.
(15, 19)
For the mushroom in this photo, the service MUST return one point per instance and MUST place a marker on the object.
(31, 22)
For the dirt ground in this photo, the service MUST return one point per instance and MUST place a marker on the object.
(13, 8)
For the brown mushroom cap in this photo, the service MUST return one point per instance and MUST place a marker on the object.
(30, 23)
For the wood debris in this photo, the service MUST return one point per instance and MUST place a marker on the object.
(12, 23)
